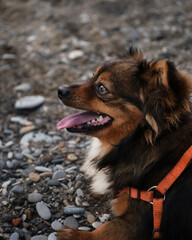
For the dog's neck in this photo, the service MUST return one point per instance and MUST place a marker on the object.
(134, 162)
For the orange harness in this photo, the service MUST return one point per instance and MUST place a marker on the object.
(162, 187)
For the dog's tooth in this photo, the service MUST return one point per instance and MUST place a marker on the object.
(101, 118)
(93, 121)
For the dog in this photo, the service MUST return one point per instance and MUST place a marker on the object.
(139, 115)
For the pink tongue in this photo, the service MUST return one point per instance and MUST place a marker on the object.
(76, 119)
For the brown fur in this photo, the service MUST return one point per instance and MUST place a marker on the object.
(149, 102)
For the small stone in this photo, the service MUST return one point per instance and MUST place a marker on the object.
(10, 155)
(105, 217)
(42, 169)
(29, 102)
(43, 211)
(96, 224)
(52, 182)
(24, 217)
(35, 137)
(34, 177)
(71, 222)
(16, 221)
(59, 174)
(28, 214)
(14, 236)
(72, 157)
(8, 56)
(90, 218)
(17, 190)
(78, 201)
(7, 217)
(84, 228)
(46, 174)
(19, 156)
(56, 225)
(74, 210)
(20, 120)
(37, 153)
(23, 87)
(52, 236)
(27, 129)
(39, 237)
(79, 192)
(34, 197)
(75, 54)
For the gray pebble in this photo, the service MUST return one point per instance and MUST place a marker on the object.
(84, 228)
(79, 193)
(52, 236)
(24, 87)
(29, 102)
(96, 224)
(19, 156)
(42, 169)
(10, 155)
(43, 210)
(17, 190)
(35, 137)
(104, 217)
(71, 222)
(39, 237)
(59, 174)
(14, 236)
(34, 197)
(9, 164)
(7, 217)
(73, 210)
(52, 182)
(37, 153)
(56, 225)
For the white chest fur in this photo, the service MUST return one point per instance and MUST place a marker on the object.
(100, 182)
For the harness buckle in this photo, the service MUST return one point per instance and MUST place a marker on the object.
(153, 188)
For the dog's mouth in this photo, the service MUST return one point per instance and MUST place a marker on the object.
(84, 122)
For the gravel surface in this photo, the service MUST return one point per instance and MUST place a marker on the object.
(44, 44)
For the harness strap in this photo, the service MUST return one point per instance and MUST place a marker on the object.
(162, 187)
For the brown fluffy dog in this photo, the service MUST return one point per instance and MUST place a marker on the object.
(140, 115)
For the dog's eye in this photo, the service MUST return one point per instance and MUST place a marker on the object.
(101, 89)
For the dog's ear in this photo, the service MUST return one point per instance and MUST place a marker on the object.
(165, 95)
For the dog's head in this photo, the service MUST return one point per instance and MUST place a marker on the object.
(125, 94)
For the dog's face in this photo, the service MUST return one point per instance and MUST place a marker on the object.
(124, 94)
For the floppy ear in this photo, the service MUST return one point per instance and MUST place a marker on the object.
(166, 96)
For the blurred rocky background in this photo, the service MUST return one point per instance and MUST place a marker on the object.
(47, 43)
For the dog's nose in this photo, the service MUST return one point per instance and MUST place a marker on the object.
(63, 91)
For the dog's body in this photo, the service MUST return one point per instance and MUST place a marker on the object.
(143, 128)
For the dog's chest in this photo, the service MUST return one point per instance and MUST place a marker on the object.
(100, 182)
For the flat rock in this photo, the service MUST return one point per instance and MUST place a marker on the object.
(73, 210)
(42, 169)
(29, 102)
(96, 224)
(39, 237)
(84, 228)
(34, 197)
(35, 137)
(75, 54)
(24, 87)
(43, 211)
(71, 222)
(52, 182)
(56, 225)
(34, 177)
(14, 236)
(59, 174)
(52, 236)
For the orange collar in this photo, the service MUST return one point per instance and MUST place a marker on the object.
(162, 187)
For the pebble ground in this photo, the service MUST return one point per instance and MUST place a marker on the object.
(44, 44)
